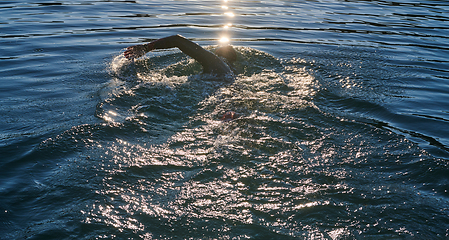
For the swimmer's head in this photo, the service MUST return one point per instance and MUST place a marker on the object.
(227, 52)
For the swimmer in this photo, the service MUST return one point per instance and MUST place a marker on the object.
(212, 63)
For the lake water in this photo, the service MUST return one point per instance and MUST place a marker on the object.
(343, 130)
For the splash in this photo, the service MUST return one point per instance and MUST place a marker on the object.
(118, 63)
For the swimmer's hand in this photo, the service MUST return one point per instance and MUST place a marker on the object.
(138, 51)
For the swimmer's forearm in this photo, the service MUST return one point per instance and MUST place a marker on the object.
(185, 45)
(163, 43)
(209, 61)
(188, 47)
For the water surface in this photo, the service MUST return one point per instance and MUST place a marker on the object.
(343, 128)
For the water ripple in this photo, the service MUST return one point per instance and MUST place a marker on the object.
(341, 131)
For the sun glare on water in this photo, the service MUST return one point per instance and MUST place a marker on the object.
(224, 40)
(225, 35)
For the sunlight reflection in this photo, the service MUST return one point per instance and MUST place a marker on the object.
(109, 116)
(112, 113)
(227, 25)
(224, 40)
(189, 176)
(311, 204)
(229, 14)
(338, 233)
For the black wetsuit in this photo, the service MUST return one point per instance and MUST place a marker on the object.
(211, 63)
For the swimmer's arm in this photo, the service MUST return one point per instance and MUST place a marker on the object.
(209, 61)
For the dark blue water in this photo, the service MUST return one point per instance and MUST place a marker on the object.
(343, 130)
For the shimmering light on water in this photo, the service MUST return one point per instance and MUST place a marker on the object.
(229, 14)
(227, 25)
(224, 40)
(342, 130)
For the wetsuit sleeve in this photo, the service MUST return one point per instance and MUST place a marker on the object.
(210, 62)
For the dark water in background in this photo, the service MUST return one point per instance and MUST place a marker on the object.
(344, 130)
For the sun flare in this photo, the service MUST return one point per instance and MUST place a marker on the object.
(224, 40)
(229, 14)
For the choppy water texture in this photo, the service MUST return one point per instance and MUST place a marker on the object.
(343, 130)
